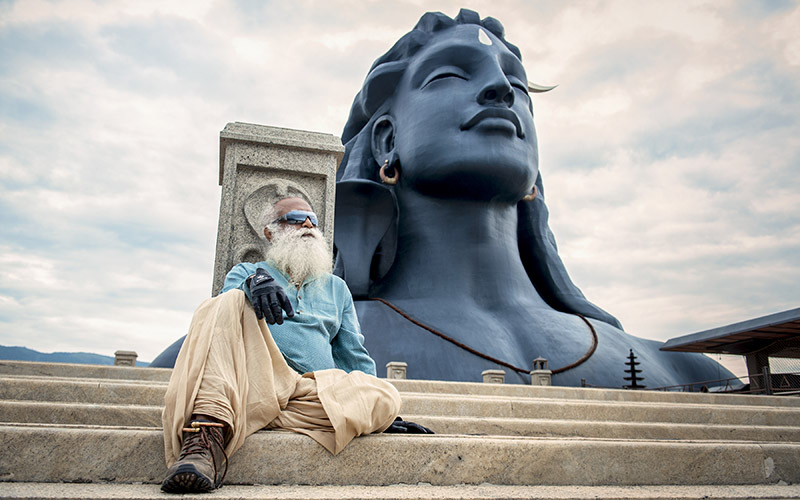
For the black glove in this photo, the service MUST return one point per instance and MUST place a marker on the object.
(400, 426)
(268, 298)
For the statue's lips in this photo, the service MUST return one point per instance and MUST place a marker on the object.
(503, 113)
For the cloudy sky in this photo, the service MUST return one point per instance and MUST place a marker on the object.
(669, 150)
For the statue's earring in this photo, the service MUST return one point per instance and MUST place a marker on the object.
(531, 196)
(390, 169)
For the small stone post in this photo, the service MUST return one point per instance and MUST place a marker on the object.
(541, 375)
(494, 376)
(125, 358)
(396, 370)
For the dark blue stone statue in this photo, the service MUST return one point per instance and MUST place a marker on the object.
(440, 213)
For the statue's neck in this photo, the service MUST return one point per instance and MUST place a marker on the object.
(463, 250)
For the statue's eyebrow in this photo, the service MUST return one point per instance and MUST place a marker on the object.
(460, 55)
(449, 55)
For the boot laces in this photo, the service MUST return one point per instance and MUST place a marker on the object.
(201, 439)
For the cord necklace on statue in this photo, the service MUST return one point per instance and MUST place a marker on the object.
(487, 357)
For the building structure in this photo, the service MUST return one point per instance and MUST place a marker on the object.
(773, 336)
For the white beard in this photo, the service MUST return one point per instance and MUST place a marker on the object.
(297, 255)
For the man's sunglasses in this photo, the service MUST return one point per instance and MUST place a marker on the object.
(298, 217)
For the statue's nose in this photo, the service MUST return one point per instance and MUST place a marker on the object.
(498, 91)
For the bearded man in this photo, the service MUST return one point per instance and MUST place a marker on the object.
(309, 372)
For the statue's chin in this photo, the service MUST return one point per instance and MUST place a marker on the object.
(491, 183)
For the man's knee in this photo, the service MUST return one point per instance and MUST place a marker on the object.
(231, 304)
(221, 314)
(231, 300)
(234, 297)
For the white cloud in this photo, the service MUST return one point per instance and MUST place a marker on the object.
(783, 35)
(91, 13)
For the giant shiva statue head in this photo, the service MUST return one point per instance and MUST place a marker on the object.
(414, 110)
(445, 113)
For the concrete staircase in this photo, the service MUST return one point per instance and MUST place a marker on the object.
(79, 431)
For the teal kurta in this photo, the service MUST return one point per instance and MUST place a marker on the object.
(324, 332)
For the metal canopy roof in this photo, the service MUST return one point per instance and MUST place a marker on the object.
(741, 338)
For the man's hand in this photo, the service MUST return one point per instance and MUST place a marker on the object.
(268, 298)
(400, 426)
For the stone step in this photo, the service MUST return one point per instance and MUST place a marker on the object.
(128, 455)
(150, 416)
(49, 491)
(55, 413)
(44, 369)
(615, 411)
(591, 394)
(95, 391)
(605, 430)
(28, 368)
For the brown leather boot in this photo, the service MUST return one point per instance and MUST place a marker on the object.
(199, 466)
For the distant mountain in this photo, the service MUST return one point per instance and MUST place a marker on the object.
(15, 353)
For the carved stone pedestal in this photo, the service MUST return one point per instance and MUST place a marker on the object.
(259, 165)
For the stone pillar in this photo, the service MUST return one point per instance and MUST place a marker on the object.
(541, 375)
(396, 369)
(125, 358)
(259, 165)
(494, 376)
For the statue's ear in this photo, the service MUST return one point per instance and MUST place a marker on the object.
(382, 139)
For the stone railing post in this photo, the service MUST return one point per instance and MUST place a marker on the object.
(541, 375)
(125, 358)
(494, 376)
(396, 370)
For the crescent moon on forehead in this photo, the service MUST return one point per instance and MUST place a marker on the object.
(483, 37)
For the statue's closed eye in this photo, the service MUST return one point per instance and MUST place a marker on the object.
(442, 76)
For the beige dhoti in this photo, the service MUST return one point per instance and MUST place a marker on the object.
(231, 369)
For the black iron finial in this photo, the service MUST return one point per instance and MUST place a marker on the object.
(634, 378)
